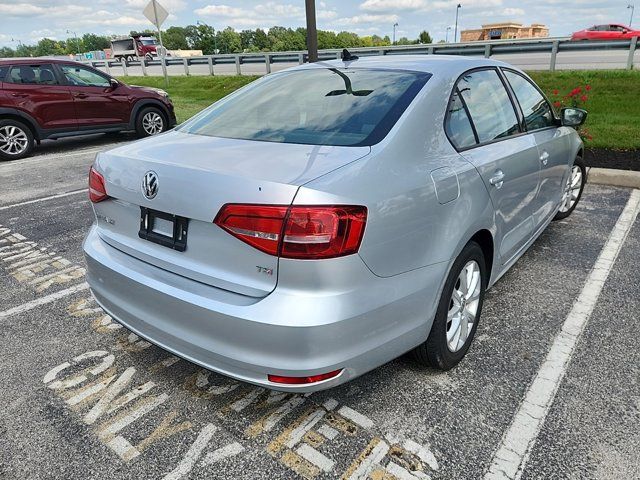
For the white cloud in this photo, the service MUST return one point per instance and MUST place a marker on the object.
(392, 5)
(367, 18)
(220, 11)
(326, 14)
(516, 12)
(279, 10)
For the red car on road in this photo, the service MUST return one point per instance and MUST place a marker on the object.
(47, 98)
(610, 31)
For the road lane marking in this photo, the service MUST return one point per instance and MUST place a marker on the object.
(191, 457)
(44, 199)
(515, 448)
(46, 156)
(43, 300)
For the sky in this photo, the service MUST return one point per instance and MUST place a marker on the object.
(29, 21)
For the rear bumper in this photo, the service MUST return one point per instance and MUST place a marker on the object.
(288, 332)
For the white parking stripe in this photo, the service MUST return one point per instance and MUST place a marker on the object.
(43, 300)
(45, 156)
(514, 450)
(44, 199)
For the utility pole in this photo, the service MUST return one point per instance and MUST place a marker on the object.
(312, 32)
(455, 33)
(446, 36)
(77, 42)
(632, 7)
(394, 33)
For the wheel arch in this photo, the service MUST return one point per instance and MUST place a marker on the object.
(484, 238)
(28, 120)
(147, 102)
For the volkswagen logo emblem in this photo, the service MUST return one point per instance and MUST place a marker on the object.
(150, 184)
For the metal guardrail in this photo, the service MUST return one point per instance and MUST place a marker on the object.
(486, 49)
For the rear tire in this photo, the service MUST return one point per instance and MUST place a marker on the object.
(16, 140)
(150, 121)
(452, 331)
(573, 189)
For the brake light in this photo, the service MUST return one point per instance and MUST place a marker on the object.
(97, 190)
(303, 380)
(304, 232)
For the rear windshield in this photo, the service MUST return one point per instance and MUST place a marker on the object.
(324, 106)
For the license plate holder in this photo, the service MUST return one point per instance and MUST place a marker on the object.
(164, 229)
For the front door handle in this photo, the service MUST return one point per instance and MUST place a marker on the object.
(544, 158)
(81, 95)
(498, 179)
(20, 95)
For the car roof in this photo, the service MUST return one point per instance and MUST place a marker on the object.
(34, 61)
(434, 64)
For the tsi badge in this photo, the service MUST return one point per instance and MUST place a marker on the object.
(265, 270)
(150, 184)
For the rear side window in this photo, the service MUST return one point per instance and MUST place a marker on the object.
(537, 111)
(3, 72)
(319, 106)
(32, 75)
(488, 104)
(458, 126)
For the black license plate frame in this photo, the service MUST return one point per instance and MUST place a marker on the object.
(178, 241)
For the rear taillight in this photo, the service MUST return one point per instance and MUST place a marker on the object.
(303, 232)
(97, 191)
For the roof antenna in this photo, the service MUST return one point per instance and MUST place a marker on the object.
(347, 57)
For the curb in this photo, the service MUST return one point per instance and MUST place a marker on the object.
(616, 178)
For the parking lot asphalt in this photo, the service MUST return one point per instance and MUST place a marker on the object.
(81, 397)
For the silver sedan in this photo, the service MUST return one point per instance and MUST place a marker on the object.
(326, 219)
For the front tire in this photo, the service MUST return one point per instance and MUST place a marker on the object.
(573, 189)
(458, 311)
(16, 140)
(150, 121)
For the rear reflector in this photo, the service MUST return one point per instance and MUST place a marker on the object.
(305, 232)
(97, 190)
(303, 380)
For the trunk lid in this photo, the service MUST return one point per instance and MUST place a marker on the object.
(197, 175)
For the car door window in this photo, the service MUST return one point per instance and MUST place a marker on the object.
(3, 72)
(32, 75)
(536, 110)
(458, 125)
(489, 105)
(84, 77)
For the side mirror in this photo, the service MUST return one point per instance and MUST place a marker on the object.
(114, 83)
(573, 117)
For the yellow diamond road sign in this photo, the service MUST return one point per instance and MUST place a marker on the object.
(156, 13)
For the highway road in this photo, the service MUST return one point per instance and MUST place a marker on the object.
(584, 60)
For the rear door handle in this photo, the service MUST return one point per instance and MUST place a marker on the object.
(544, 158)
(80, 95)
(498, 179)
(20, 95)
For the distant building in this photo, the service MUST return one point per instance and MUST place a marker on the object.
(496, 31)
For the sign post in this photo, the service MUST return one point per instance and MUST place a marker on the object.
(157, 14)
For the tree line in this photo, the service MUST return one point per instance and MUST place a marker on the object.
(204, 37)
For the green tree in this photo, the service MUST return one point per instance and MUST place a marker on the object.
(424, 37)
(326, 39)
(47, 46)
(91, 42)
(229, 41)
(175, 38)
(261, 40)
(7, 52)
(247, 37)
(347, 40)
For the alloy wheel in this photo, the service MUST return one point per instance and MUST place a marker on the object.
(572, 189)
(152, 123)
(463, 306)
(13, 140)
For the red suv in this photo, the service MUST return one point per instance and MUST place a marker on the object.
(47, 98)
